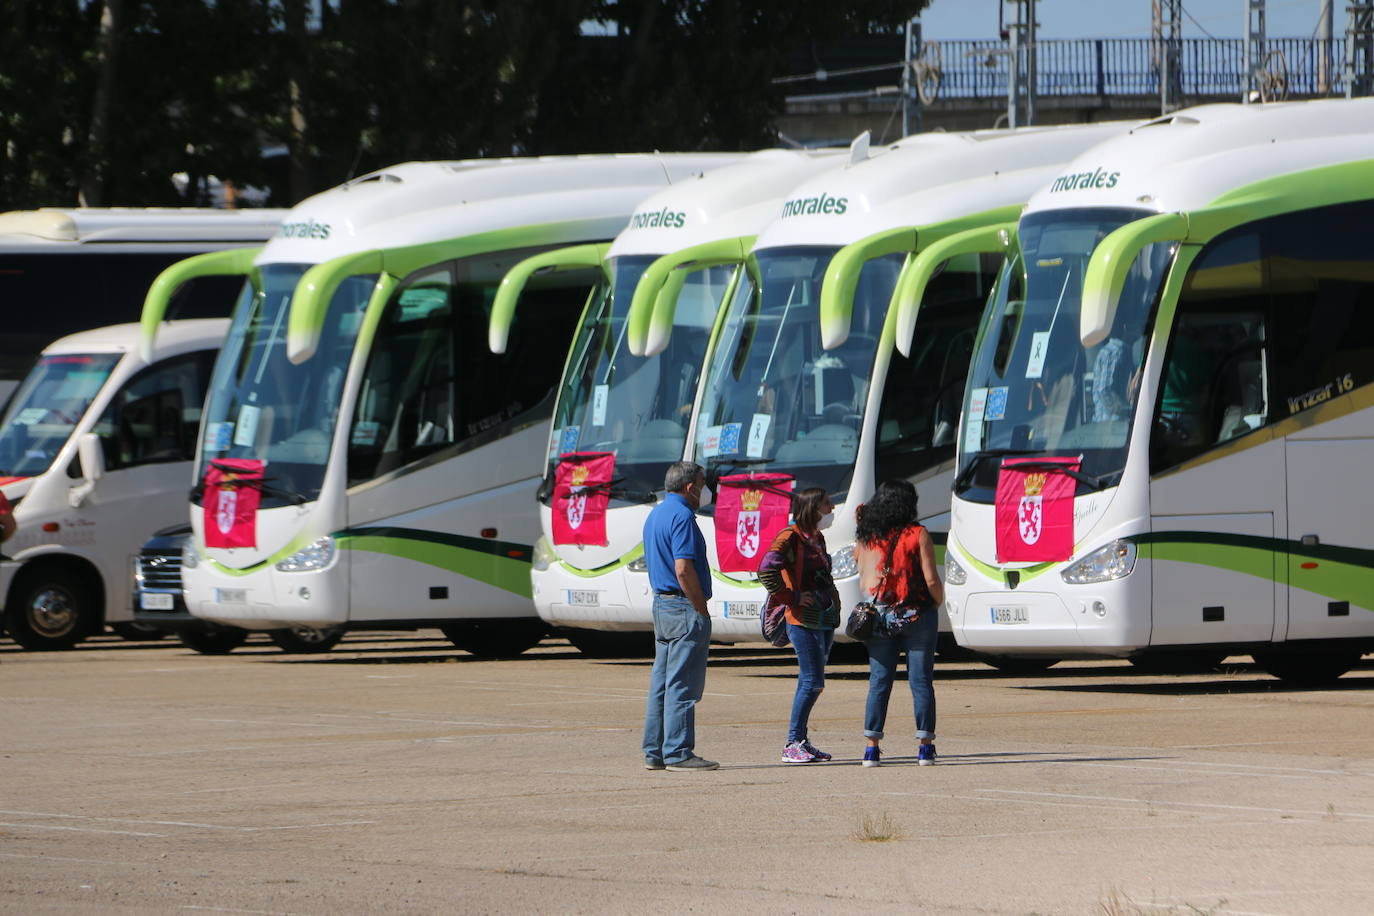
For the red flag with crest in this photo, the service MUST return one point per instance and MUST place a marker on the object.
(1035, 510)
(232, 493)
(750, 511)
(581, 492)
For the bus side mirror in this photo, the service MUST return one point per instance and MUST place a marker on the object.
(92, 455)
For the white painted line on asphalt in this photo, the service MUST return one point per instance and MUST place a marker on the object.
(225, 909)
(78, 829)
(270, 785)
(1171, 768)
(239, 828)
(1182, 804)
(273, 722)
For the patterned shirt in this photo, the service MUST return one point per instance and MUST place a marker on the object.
(813, 603)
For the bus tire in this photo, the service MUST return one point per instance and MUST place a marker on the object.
(212, 638)
(1023, 665)
(1307, 667)
(51, 607)
(306, 639)
(1179, 661)
(611, 643)
(496, 638)
(134, 631)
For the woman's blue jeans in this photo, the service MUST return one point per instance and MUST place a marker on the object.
(812, 648)
(883, 653)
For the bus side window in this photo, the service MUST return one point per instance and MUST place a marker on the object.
(153, 419)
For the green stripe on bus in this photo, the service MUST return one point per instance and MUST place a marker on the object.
(500, 564)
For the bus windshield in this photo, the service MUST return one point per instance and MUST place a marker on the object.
(774, 399)
(636, 406)
(261, 405)
(47, 407)
(1034, 389)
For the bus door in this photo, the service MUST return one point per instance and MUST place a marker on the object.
(1216, 491)
(446, 447)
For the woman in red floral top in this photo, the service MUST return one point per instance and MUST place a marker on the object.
(796, 572)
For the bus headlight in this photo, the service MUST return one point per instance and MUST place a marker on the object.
(954, 573)
(1112, 561)
(544, 555)
(316, 555)
(843, 563)
(638, 564)
(189, 558)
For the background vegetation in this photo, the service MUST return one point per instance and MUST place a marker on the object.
(101, 101)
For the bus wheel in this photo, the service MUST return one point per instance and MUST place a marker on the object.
(52, 609)
(496, 638)
(1019, 665)
(1307, 667)
(1179, 661)
(306, 639)
(137, 632)
(611, 644)
(212, 638)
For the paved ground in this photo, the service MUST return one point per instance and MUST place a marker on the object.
(397, 774)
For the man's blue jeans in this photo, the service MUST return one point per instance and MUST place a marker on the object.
(681, 639)
(883, 654)
(813, 648)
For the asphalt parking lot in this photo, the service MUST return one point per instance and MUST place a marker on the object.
(397, 774)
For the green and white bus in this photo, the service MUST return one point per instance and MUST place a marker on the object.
(399, 454)
(639, 407)
(1186, 315)
(802, 378)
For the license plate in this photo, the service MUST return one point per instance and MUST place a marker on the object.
(584, 598)
(743, 609)
(154, 602)
(1011, 615)
(231, 595)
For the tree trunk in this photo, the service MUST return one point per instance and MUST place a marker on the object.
(96, 174)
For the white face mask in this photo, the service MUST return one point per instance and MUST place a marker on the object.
(706, 497)
(827, 520)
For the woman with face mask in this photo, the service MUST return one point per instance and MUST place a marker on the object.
(796, 572)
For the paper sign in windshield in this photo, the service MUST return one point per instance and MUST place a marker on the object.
(729, 438)
(710, 443)
(600, 394)
(246, 433)
(758, 435)
(1040, 346)
(996, 408)
(568, 441)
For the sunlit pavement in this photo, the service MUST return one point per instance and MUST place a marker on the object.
(398, 774)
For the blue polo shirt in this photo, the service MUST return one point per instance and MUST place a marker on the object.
(671, 533)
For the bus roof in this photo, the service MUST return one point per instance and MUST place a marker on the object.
(186, 333)
(735, 200)
(416, 203)
(54, 228)
(1191, 157)
(928, 178)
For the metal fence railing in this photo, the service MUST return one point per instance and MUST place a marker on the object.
(1208, 68)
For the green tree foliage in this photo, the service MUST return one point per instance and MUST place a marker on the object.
(205, 87)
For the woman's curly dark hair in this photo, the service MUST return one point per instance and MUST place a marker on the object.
(892, 508)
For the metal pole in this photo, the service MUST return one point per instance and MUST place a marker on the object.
(1014, 67)
(1324, 29)
(1254, 50)
(1030, 62)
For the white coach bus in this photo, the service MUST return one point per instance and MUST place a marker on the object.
(64, 270)
(639, 407)
(804, 379)
(1186, 316)
(398, 455)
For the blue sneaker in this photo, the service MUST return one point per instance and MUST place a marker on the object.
(925, 754)
(871, 757)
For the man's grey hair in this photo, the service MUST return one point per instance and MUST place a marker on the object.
(681, 475)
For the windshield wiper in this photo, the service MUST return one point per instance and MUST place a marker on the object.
(977, 458)
(262, 486)
(1096, 483)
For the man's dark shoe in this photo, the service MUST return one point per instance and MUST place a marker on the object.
(693, 763)
(652, 764)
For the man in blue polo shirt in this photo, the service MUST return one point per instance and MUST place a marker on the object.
(681, 579)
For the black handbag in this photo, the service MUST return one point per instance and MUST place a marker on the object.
(861, 621)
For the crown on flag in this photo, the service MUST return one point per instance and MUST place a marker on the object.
(1034, 483)
(580, 475)
(749, 500)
